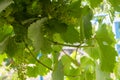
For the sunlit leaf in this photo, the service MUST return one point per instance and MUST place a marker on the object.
(35, 33)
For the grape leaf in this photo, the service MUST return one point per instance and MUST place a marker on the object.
(58, 73)
(107, 52)
(107, 56)
(35, 33)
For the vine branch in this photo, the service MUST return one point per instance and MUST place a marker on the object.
(31, 53)
(69, 45)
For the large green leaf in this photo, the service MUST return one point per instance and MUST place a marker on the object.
(58, 73)
(107, 52)
(107, 57)
(36, 34)
(4, 4)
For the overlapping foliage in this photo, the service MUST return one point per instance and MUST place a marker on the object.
(35, 32)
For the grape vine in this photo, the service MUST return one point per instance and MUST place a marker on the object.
(32, 27)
